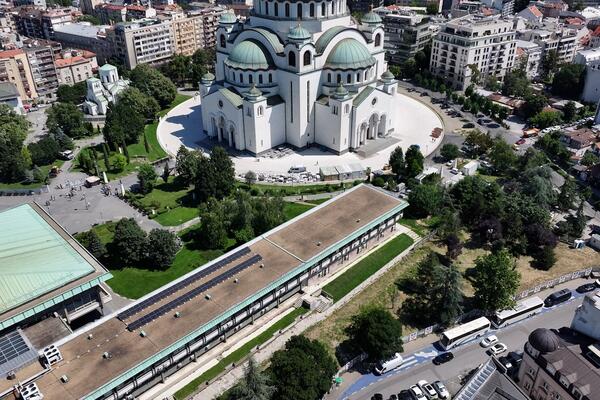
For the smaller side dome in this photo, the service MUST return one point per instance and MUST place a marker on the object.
(208, 78)
(227, 18)
(340, 92)
(387, 76)
(298, 33)
(371, 18)
(254, 93)
(544, 340)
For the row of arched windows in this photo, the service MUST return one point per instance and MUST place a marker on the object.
(306, 58)
(277, 9)
(258, 78)
(350, 77)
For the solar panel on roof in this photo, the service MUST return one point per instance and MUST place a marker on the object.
(182, 284)
(171, 305)
(14, 352)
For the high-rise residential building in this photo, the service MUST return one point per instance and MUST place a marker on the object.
(561, 40)
(40, 55)
(88, 6)
(41, 4)
(187, 34)
(74, 66)
(14, 68)
(530, 55)
(473, 43)
(111, 13)
(210, 22)
(40, 24)
(142, 42)
(406, 32)
(591, 60)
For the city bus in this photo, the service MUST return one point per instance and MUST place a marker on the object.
(524, 309)
(464, 333)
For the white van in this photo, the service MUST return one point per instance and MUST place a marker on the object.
(296, 169)
(386, 366)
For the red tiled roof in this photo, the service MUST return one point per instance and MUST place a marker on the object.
(111, 7)
(136, 8)
(65, 62)
(520, 51)
(535, 11)
(574, 21)
(10, 53)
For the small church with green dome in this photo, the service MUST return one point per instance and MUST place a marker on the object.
(302, 73)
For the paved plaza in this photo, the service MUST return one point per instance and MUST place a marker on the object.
(183, 126)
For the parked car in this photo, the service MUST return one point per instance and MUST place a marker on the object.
(558, 297)
(377, 396)
(520, 142)
(423, 94)
(498, 348)
(586, 287)
(393, 397)
(67, 155)
(443, 358)
(441, 390)
(515, 358)
(296, 169)
(455, 171)
(506, 363)
(427, 389)
(417, 393)
(488, 341)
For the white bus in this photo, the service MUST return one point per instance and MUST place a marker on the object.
(524, 309)
(464, 333)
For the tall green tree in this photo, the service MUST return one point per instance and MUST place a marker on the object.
(425, 200)
(44, 151)
(549, 64)
(397, 161)
(186, 163)
(496, 281)
(69, 119)
(450, 297)
(414, 162)
(146, 178)
(376, 332)
(449, 151)
(224, 172)
(154, 84)
(179, 69)
(123, 125)
(567, 195)
(139, 103)
(213, 230)
(569, 111)
(91, 241)
(129, 242)
(74, 94)
(569, 81)
(253, 386)
(502, 156)
(302, 371)
(162, 247)
(534, 103)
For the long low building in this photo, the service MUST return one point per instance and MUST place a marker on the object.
(125, 353)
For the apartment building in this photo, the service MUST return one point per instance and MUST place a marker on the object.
(14, 68)
(88, 6)
(561, 40)
(74, 66)
(406, 32)
(187, 35)
(142, 42)
(209, 19)
(591, 60)
(473, 41)
(41, 55)
(87, 37)
(111, 13)
(36, 3)
(40, 24)
(530, 55)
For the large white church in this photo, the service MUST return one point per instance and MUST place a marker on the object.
(300, 72)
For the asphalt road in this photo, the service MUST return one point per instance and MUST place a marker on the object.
(466, 357)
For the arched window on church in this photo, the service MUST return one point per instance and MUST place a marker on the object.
(329, 77)
(270, 77)
(339, 78)
(287, 9)
(299, 11)
(292, 59)
(276, 9)
(259, 111)
(358, 77)
(366, 75)
(332, 8)
(307, 58)
(241, 78)
(267, 8)
(260, 79)
(250, 79)
(323, 6)
(222, 40)
(349, 79)
(346, 108)
(312, 9)
(378, 40)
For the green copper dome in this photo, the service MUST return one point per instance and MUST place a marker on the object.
(208, 77)
(340, 92)
(253, 93)
(387, 76)
(371, 18)
(249, 54)
(298, 33)
(349, 54)
(227, 18)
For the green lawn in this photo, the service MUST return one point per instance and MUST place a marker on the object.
(35, 185)
(292, 210)
(287, 190)
(317, 201)
(366, 267)
(238, 354)
(179, 98)
(177, 216)
(414, 225)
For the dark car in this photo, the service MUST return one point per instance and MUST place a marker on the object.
(377, 396)
(393, 397)
(557, 297)
(443, 358)
(405, 395)
(587, 287)
(423, 94)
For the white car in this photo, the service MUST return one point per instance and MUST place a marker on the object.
(488, 341)
(498, 348)
(441, 390)
(417, 393)
(427, 389)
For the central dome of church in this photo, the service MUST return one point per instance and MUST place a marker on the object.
(349, 54)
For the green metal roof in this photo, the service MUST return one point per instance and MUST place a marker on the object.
(249, 54)
(271, 37)
(227, 18)
(298, 33)
(233, 98)
(107, 67)
(34, 258)
(349, 54)
(362, 96)
(327, 37)
(371, 18)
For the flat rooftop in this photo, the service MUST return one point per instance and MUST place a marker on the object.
(39, 261)
(283, 250)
